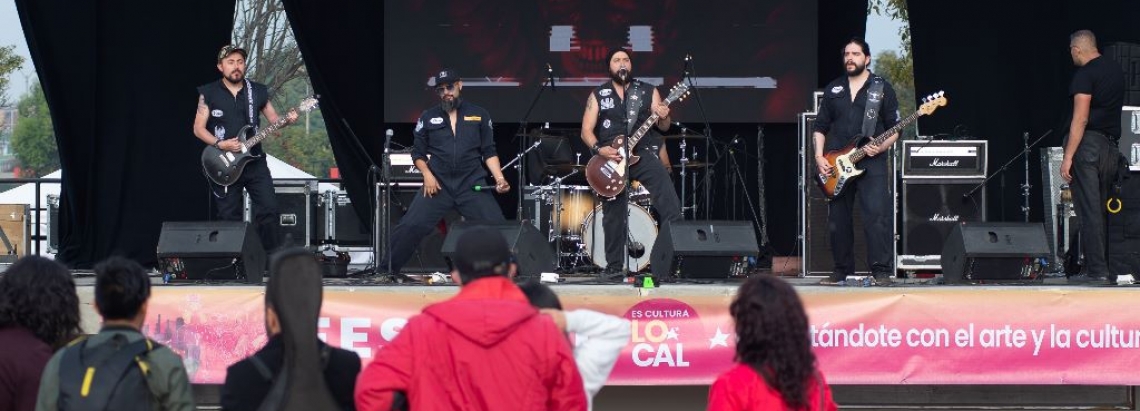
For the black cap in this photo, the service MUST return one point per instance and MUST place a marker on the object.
(481, 251)
(231, 49)
(446, 76)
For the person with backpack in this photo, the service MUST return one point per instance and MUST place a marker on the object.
(295, 368)
(119, 368)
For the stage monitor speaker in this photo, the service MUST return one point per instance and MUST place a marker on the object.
(532, 252)
(702, 249)
(992, 251)
(211, 250)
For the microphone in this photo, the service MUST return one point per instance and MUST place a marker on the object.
(479, 187)
(623, 72)
(550, 75)
(388, 139)
(636, 249)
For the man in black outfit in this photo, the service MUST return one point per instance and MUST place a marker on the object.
(453, 141)
(224, 107)
(606, 118)
(841, 118)
(292, 308)
(1091, 152)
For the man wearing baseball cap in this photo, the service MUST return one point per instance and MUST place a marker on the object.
(453, 142)
(486, 348)
(225, 106)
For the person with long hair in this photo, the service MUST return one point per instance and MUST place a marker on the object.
(39, 312)
(775, 367)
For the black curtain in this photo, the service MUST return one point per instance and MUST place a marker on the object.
(119, 77)
(1005, 68)
(839, 21)
(342, 45)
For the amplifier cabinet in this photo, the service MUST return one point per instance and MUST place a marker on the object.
(944, 159)
(930, 210)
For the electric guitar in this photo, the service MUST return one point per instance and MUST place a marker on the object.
(224, 167)
(607, 177)
(842, 161)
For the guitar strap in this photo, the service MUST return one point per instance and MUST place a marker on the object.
(634, 102)
(249, 97)
(874, 101)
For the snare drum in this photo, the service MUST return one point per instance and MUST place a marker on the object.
(642, 229)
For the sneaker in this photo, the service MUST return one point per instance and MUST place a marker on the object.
(832, 282)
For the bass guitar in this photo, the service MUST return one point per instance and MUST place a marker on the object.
(842, 161)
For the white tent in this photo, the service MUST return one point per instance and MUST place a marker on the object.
(26, 193)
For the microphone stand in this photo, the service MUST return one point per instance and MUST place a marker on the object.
(522, 132)
(377, 205)
(1001, 170)
(691, 69)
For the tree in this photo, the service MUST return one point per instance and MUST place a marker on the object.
(897, 68)
(9, 62)
(261, 27)
(304, 147)
(33, 141)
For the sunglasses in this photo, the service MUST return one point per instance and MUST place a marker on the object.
(441, 89)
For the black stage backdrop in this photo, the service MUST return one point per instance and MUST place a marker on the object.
(119, 77)
(1005, 67)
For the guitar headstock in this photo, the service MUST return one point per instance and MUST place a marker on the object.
(932, 102)
(678, 92)
(308, 104)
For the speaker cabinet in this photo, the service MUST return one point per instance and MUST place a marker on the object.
(702, 249)
(931, 209)
(532, 252)
(815, 240)
(211, 250)
(992, 251)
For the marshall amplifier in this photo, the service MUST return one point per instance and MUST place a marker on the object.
(942, 159)
(930, 210)
(402, 168)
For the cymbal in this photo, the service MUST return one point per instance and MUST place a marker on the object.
(691, 164)
(564, 168)
(551, 133)
(685, 136)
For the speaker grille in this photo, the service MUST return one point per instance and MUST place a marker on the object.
(931, 208)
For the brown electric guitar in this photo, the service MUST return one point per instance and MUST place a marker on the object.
(842, 161)
(607, 177)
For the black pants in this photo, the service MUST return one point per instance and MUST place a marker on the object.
(1093, 170)
(259, 183)
(652, 174)
(872, 192)
(425, 212)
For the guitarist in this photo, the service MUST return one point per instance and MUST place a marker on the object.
(606, 117)
(845, 114)
(224, 107)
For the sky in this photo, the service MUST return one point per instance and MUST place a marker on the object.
(882, 34)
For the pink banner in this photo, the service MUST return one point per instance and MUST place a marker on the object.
(953, 335)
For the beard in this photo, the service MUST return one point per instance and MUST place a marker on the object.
(235, 77)
(852, 72)
(448, 105)
(619, 80)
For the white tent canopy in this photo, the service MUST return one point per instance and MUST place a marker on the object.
(26, 193)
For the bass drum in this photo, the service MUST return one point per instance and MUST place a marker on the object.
(642, 229)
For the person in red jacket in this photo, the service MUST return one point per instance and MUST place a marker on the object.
(775, 367)
(484, 349)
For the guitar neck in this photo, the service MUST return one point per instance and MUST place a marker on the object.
(649, 122)
(860, 154)
(256, 139)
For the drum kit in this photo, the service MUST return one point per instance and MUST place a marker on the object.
(570, 213)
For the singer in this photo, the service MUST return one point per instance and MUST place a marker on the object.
(457, 136)
(615, 108)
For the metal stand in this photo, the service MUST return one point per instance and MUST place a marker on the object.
(1025, 186)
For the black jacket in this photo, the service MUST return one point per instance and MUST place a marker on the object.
(245, 387)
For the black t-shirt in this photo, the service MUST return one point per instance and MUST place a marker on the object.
(840, 119)
(229, 113)
(1104, 80)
